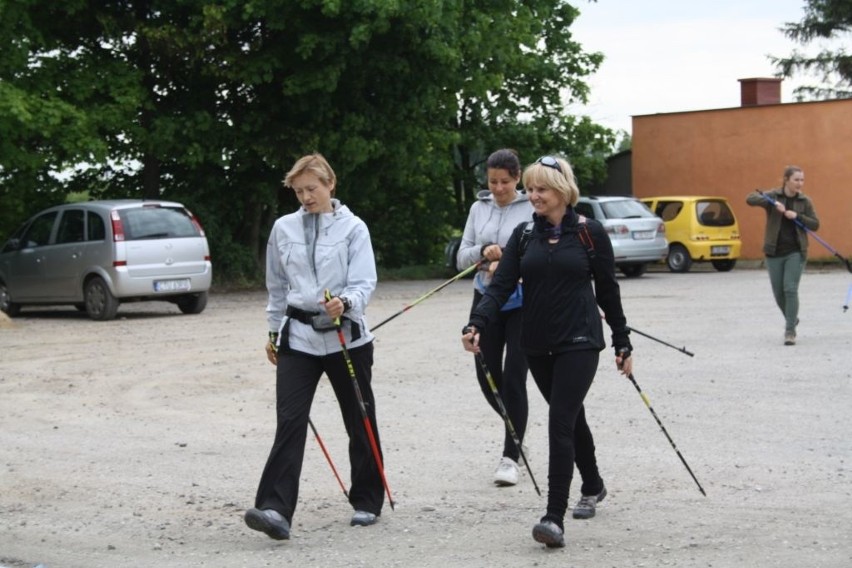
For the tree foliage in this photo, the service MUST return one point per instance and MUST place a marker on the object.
(823, 20)
(209, 102)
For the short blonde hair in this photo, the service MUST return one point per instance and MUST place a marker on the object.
(563, 181)
(317, 165)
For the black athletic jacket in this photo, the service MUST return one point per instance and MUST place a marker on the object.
(559, 309)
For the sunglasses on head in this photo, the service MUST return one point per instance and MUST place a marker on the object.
(550, 162)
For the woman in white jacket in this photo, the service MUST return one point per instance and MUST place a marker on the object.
(322, 246)
(491, 221)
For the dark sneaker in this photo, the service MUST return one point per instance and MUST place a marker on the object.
(268, 521)
(585, 508)
(549, 534)
(363, 519)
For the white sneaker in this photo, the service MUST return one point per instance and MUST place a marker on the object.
(507, 472)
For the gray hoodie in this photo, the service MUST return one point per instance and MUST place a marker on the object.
(488, 223)
(308, 253)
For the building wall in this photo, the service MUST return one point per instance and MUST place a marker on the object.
(730, 152)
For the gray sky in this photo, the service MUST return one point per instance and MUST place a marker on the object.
(679, 55)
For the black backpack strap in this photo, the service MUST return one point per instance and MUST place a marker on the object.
(526, 235)
(586, 237)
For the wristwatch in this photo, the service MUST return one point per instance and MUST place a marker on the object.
(347, 305)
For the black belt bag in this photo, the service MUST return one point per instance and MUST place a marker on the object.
(318, 321)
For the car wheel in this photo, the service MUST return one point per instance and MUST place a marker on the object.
(101, 305)
(724, 265)
(633, 270)
(7, 306)
(678, 259)
(192, 303)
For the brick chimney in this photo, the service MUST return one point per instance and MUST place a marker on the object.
(760, 91)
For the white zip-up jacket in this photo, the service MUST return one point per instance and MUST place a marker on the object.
(488, 223)
(308, 253)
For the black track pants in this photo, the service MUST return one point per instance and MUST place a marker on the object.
(297, 377)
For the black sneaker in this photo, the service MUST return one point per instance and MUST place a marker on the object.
(549, 534)
(268, 521)
(585, 508)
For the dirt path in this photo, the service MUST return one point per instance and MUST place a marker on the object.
(139, 442)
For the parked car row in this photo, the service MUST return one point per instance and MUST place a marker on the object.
(96, 255)
(681, 230)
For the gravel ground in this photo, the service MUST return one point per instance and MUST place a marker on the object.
(139, 442)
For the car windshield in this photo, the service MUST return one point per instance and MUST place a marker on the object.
(714, 213)
(156, 223)
(625, 209)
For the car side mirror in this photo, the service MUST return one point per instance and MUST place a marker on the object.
(12, 245)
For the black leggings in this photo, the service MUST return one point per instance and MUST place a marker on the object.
(564, 379)
(510, 375)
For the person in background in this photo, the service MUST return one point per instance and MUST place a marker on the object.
(567, 270)
(497, 211)
(322, 246)
(785, 243)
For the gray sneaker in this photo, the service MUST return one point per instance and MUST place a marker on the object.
(363, 519)
(549, 534)
(268, 521)
(790, 338)
(585, 508)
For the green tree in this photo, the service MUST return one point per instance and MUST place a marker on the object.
(210, 101)
(829, 20)
(521, 67)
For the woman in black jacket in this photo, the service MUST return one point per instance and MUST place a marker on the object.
(558, 259)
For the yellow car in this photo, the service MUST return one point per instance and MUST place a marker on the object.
(699, 229)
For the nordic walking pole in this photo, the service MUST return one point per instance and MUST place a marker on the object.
(819, 239)
(461, 274)
(681, 349)
(327, 457)
(663, 428)
(506, 418)
(367, 425)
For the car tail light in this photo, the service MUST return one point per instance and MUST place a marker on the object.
(662, 229)
(618, 230)
(197, 223)
(117, 228)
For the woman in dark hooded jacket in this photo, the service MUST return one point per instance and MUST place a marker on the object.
(567, 270)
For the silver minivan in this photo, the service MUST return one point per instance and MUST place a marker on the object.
(97, 254)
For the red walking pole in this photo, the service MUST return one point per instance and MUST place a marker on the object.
(367, 425)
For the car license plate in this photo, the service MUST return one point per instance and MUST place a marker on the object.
(181, 285)
(720, 251)
(643, 235)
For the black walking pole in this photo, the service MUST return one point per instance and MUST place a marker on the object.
(681, 349)
(363, 407)
(663, 428)
(461, 274)
(506, 418)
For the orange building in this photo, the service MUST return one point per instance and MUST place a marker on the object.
(730, 152)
